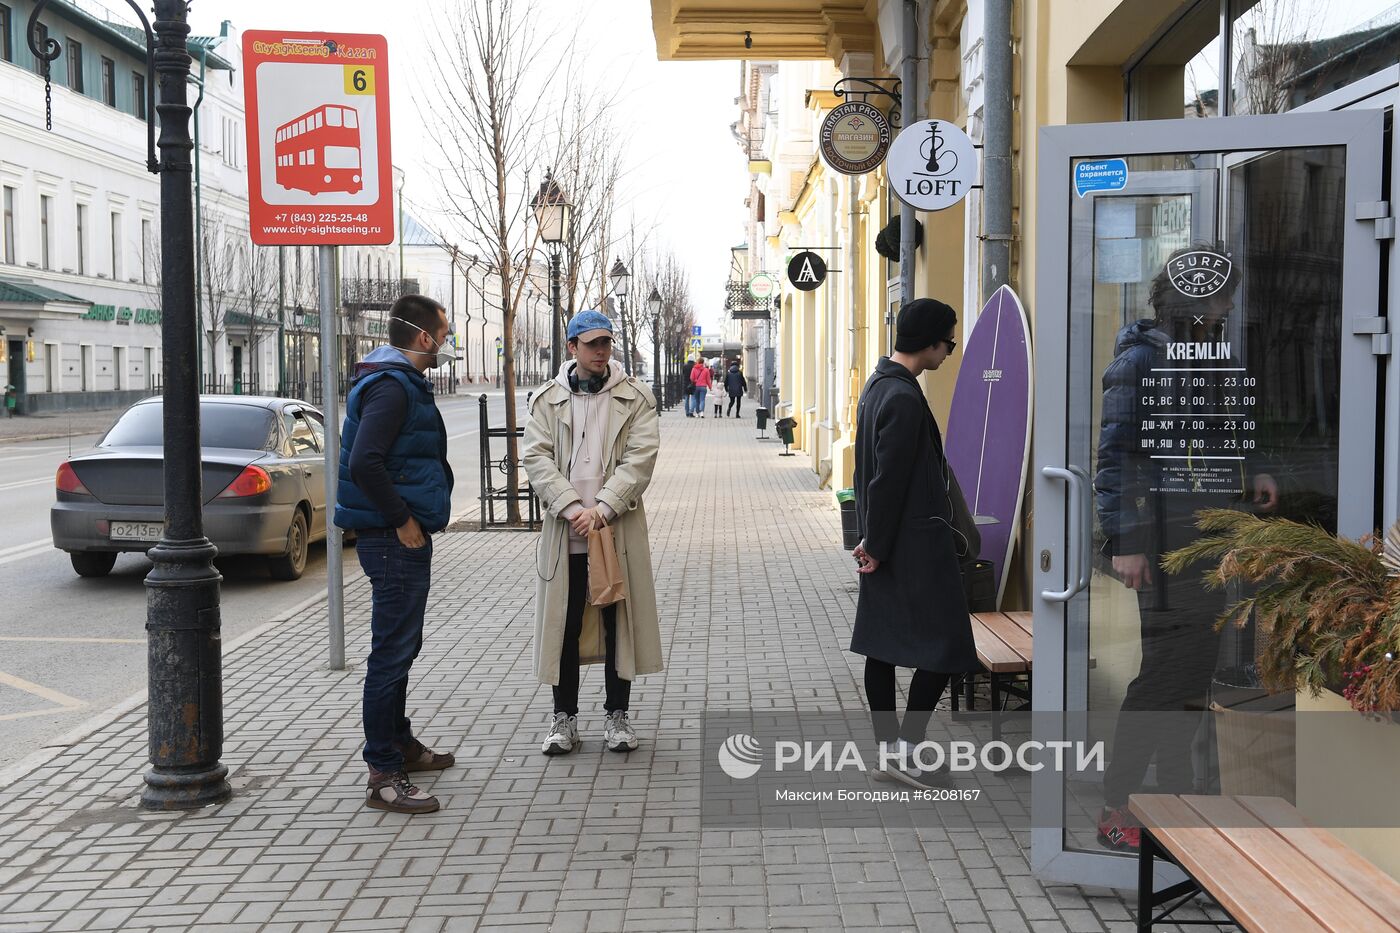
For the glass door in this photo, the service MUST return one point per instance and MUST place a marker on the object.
(1209, 302)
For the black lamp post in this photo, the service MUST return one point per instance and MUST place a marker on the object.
(621, 278)
(654, 303)
(185, 720)
(554, 214)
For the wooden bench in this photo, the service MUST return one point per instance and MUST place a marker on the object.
(1003, 642)
(1261, 862)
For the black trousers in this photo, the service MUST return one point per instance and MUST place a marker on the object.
(924, 692)
(736, 402)
(618, 691)
(1179, 651)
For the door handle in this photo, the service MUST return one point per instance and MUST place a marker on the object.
(1086, 527)
(1075, 548)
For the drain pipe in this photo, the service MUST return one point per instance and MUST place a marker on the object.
(909, 95)
(996, 154)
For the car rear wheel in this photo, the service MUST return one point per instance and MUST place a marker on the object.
(93, 563)
(291, 565)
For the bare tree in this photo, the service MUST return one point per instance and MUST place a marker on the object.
(493, 76)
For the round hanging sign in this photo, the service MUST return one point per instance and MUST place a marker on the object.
(806, 271)
(854, 138)
(932, 165)
(763, 286)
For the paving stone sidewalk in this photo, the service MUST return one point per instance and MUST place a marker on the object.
(757, 599)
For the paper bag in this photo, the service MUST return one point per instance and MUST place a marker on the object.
(605, 585)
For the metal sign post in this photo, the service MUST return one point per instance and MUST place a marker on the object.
(330, 407)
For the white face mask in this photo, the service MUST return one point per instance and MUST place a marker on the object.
(446, 351)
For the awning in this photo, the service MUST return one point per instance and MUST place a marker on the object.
(26, 298)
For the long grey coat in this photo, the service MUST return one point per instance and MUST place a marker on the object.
(912, 611)
(631, 449)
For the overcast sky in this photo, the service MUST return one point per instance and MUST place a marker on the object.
(687, 170)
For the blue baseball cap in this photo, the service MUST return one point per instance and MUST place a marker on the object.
(589, 325)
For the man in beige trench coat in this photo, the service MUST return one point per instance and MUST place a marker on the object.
(590, 449)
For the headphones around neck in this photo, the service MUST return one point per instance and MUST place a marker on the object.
(592, 385)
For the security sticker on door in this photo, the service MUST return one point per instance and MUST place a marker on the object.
(1103, 175)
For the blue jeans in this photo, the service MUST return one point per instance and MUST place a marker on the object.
(400, 578)
(700, 400)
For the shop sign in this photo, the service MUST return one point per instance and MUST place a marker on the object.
(806, 271)
(855, 137)
(147, 316)
(1199, 273)
(932, 165)
(123, 315)
(763, 286)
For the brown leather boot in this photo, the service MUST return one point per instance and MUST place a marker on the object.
(392, 791)
(418, 757)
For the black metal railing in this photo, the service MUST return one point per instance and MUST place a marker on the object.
(495, 488)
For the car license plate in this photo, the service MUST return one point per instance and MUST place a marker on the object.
(137, 531)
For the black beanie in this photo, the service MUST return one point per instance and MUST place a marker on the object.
(922, 323)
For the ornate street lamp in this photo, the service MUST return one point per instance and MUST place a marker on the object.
(654, 304)
(554, 215)
(620, 279)
(184, 665)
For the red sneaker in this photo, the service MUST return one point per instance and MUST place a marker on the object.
(1118, 830)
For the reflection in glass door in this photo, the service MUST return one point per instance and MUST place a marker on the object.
(1207, 338)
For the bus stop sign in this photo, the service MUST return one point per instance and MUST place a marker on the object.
(319, 169)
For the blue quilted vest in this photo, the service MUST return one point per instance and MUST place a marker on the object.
(415, 460)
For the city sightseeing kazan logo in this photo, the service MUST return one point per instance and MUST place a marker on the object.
(741, 756)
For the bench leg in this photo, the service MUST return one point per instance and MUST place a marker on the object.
(995, 680)
(956, 689)
(969, 685)
(1147, 847)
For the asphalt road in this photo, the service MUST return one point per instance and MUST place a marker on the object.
(71, 647)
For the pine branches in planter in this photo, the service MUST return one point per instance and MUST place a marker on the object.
(1328, 607)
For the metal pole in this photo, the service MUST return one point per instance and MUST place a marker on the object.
(909, 84)
(330, 405)
(281, 322)
(656, 359)
(185, 674)
(555, 348)
(996, 156)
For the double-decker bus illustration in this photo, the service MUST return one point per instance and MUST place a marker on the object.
(320, 151)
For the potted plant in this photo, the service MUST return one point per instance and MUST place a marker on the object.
(1327, 608)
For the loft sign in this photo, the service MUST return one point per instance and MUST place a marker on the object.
(932, 165)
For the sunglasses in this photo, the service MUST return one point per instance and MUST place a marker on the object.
(952, 344)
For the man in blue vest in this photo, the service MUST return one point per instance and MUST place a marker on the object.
(395, 491)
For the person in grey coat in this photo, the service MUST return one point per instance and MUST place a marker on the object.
(911, 611)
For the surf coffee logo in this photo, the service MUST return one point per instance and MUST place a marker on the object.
(740, 756)
(1200, 273)
(806, 271)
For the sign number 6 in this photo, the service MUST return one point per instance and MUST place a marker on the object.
(359, 79)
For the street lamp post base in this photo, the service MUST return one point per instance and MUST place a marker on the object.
(185, 789)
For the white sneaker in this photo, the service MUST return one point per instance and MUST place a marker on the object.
(563, 735)
(618, 734)
(908, 771)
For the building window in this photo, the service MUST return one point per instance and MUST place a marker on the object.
(41, 38)
(109, 82)
(75, 65)
(146, 246)
(9, 228)
(138, 93)
(45, 243)
(116, 246)
(7, 49)
(82, 239)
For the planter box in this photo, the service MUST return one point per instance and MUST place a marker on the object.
(1348, 764)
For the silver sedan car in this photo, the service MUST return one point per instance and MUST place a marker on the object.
(264, 484)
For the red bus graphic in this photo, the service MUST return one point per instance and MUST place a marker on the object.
(320, 151)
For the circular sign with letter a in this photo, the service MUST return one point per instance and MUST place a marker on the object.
(854, 138)
(931, 165)
(806, 271)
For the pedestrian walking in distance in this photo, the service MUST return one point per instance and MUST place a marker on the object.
(736, 385)
(690, 388)
(700, 375)
(590, 449)
(395, 491)
(911, 611)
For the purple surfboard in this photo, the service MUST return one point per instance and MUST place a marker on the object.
(988, 433)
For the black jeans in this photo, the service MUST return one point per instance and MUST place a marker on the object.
(618, 691)
(399, 579)
(736, 402)
(1179, 651)
(924, 692)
